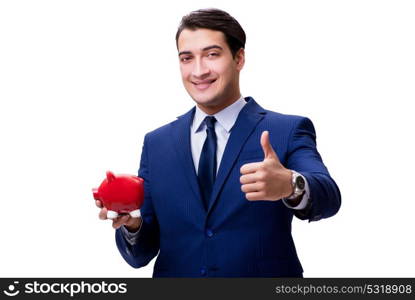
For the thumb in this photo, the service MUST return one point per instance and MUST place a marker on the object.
(266, 146)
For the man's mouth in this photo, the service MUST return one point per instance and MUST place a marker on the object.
(203, 84)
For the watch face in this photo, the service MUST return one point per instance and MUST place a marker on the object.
(299, 181)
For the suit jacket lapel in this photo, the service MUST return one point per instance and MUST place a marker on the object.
(180, 134)
(245, 124)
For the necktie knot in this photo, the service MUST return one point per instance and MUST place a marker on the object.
(210, 122)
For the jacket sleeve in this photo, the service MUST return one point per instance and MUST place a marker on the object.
(303, 157)
(147, 244)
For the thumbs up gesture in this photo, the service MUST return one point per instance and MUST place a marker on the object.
(268, 179)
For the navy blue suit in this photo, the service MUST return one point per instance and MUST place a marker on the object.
(234, 237)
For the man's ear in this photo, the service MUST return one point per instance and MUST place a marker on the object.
(240, 59)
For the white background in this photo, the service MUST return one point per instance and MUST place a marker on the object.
(81, 82)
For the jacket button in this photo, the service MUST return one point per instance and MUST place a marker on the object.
(209, 232)
(203, 271)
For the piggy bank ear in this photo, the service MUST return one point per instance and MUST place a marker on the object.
(110, 176)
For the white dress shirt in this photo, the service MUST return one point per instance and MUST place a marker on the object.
(225, 119)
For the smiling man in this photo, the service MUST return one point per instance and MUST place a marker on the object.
(224, 180)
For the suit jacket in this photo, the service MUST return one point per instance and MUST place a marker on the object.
(233, 237)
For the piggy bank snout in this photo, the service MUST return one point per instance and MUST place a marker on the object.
(96, 194)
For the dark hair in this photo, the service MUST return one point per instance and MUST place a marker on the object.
(215, 19)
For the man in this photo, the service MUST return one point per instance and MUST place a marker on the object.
(223, 181)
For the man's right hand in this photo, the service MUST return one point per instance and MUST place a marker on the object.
(132, 224)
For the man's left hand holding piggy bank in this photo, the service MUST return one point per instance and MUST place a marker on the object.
(120, 198)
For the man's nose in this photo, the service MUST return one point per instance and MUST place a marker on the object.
(200, 69)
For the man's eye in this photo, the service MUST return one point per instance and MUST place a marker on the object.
(213, 54)
(185, 59)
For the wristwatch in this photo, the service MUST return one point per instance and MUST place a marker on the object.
(298, 184)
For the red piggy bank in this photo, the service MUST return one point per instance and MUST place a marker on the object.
(121, 194)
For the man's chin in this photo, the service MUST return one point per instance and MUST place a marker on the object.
(205, 101)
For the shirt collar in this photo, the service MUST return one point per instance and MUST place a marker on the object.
(226, 117)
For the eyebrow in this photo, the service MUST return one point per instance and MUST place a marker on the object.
(204, 49)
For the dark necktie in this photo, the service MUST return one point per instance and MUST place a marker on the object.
(207, 163)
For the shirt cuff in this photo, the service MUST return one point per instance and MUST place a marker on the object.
(304, 201)
(131, 237)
